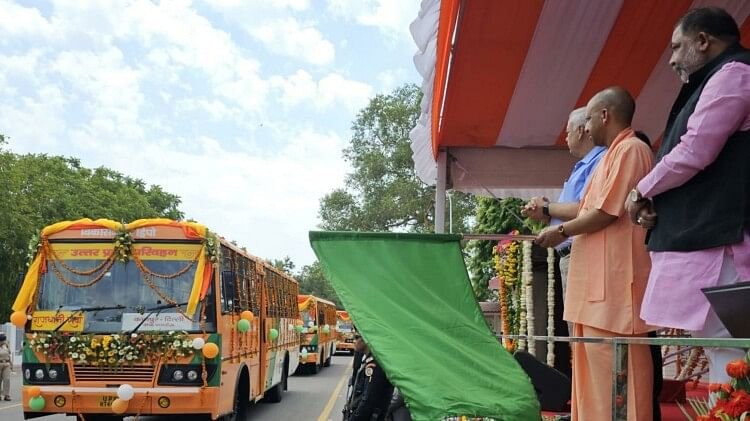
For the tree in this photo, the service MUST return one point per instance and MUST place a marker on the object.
(285, 265)
(493, 216)
(383, 193)
(41, 189)
(313, 281)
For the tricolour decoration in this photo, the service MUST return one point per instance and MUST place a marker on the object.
(34, 391)
(198, 343)
(326, 329)
(18, 318)
(247, 315)
(119, 406)
(125, 392)
(273, 334)
(37, 403)
(210, 350)
(243, 325)
(299, 328)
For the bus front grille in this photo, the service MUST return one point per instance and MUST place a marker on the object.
(86, 373)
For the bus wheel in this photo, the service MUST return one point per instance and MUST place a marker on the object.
(285, 373)
(327, 362)
(274, 394)
(241, 394)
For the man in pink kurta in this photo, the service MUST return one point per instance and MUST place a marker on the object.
(609, 265)
(696, 199)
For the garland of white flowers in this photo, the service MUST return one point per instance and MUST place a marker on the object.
(522, 315)
(550, 305)
(527, 278)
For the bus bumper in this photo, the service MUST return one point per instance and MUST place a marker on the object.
(146, 401)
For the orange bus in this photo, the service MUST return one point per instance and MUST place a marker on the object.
(318, 332)
(344, 332)
(155, 317)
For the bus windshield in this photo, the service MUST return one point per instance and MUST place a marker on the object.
(140, 295)
(344, 327)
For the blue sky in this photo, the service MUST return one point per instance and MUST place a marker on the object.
(240, 107)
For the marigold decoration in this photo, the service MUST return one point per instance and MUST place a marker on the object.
(733, 398)
(123, 245)
(738, 369)
(112, 351)
(507, 261)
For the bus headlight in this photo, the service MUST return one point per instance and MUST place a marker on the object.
(27, 374)
(52, 373)
(39, 374)
(178, 375)
(192, 375)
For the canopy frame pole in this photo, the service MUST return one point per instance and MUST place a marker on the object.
(442, 176)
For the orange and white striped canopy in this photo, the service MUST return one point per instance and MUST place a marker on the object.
(500, 78)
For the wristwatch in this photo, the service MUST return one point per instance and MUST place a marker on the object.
(561, 230)
(545, 209)
(635, 196)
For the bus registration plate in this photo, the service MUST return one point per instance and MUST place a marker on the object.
(106, 401)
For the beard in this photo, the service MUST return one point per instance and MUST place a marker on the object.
(691, 62)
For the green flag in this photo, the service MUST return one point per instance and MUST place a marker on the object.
(410, 297)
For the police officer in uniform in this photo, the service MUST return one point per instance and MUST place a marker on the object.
(6, 364)
(372, 392)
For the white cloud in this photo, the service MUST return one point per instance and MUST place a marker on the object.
(291, 38)
(392, 78)
(333, 89)
(255, 5)
(162, 93)
(392, 17)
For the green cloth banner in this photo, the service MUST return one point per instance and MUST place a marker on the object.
(409, 295)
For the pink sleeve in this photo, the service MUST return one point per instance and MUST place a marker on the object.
(723, 108)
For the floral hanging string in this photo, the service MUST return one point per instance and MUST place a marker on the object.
(527, 277)
(550, 306)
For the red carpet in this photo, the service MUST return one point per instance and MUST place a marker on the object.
(669, 411)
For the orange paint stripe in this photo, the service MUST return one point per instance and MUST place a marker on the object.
(491, 45)
(446, 28)
(637, 41)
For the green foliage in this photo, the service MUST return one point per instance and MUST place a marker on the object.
(285, 265)
(494, 216)
(40, 190)
(312, 280)
(383, 193)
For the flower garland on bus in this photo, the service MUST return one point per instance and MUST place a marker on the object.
(206, 259)
(113, 351)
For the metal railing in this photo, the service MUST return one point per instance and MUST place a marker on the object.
(620, 357)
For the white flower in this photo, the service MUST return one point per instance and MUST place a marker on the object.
(185, 343)
(134, 335)
(74, 355)
(46, 345)
(73, 339)
(176, 343)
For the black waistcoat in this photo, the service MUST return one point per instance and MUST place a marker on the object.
(713, 208)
